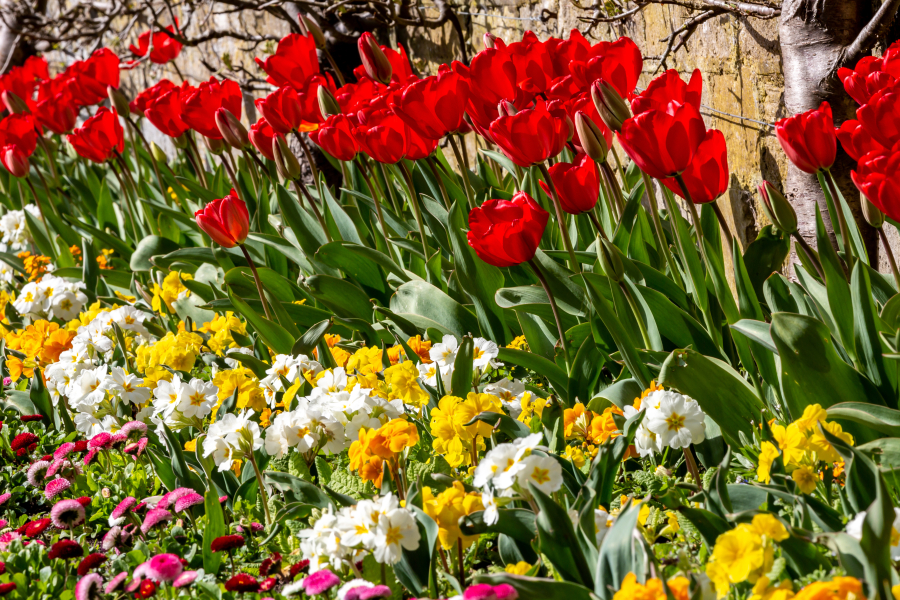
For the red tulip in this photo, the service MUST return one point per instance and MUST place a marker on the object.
(309, 101)
(809, 139)
(564, 52)
(18, 140)
(198, 106)
(261, 134)
(534, 64)
(577, 184)
(165, 113)
(878, 177)
(662, 143)
(293, 63)
(881, 115)
(382, 135)
(434, 106)
(706, 177)
(100, 137)
(666, 88)
(22, 80)
(618, 62)
(866, 80)
(165, 47)
(530, 136)
(493, 74)
(225, 220)
(335, 137)
(58, 113)
(87, 79)
(419, 147)
(354, 96)
(857, 142)
(281, 109)
(505, 233)
(143, 100)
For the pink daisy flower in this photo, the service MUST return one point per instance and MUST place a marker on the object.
(67, 514)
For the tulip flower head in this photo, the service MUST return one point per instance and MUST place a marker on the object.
(663, 143)
(225, 220)
(293, 63)
(165, 47)
(100, 138)
(530, 136)
(505, 233)
(577, 184)
(706, 178)
(809, 139)
(878, 177)
(17, 142)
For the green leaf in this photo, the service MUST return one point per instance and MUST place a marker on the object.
(517, 523)
(307, 230)
(765, 255)
(344, 223)
(311, 338)
(273, 334)
(344, 298)
(281, 246)
(461, 379)
(242, 277)
(152, 245)
(719, 390)
(558, 541)
(40, 397)
(620, 554)
(417, 566)
(297, 490)
(838, 291)
(880, 418)
(710, 525)
(420, 298)
(507, 425)
(869, 350)
(215, 527)
(538, 364)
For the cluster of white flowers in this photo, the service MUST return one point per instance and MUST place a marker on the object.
(444, 354)
(672, 420)
(330, 417)
(509, 468)
(14, 229)
(292, 369)
(97, 337)
(181, 404)
(380, 526)
(511, 393)
(51, 297)
(233, 437)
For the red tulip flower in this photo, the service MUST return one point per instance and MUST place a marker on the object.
(434, 106)
(293, 63)
(618, 62)
(706, 178)
(666, 88)
(382, 135)
(335, 137)
(809, 139)
(165, 113)
(577, 184)
(881, 116)
(856, 141)
(57, 113)
(261, 134)
(198, 106)
(18, 140)
(866, 80)
(419, 147)
(355, 96)
(88, 79)
(386, 66)
(534, 64)
(225, 220)
(878, 177)
(100, 138)
(505, 233)
(165, 47)
(143, 100)
(530, 136)
(663, 143)
(281, 109)
(493, 74)
(22, 80)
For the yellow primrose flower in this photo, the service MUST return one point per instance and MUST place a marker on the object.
(806, 479)
(521, 568)
(171, 290)
(403, 379)
(767, 456)
(447, 508)
(250, 394)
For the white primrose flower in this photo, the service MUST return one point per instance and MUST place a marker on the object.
(676, 419)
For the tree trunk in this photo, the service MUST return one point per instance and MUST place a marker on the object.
(817, 37)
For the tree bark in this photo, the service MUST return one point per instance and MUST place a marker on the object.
(817, 37)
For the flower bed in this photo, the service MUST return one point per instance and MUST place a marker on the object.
(220, 382)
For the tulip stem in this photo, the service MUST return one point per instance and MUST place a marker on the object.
(198, 162)
(312, 165)
(890, 256)
(337, 71)
(698, 229)
(303, 192)
(434, 171)
(262, 296)
(464, 168)
(234, 182)
(388, 187)
(610, 178)
(137, 130)
(658, 230)
(563, 229)
(413, 201)
(138, 208)
(127, 203)
(40, 206)
(642, 326)
(596, 223)
(723, 224)
(554, 309)
(692, 466)
(378, 213)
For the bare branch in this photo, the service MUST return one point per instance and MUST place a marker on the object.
(876, 28)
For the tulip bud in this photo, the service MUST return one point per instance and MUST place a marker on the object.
(489, 39)
(376, 64)
(158, 153)
(610, 258)
(328, 105)
(778, 209)
(592, 141)
(571, 127)
(287, 164)
(231, 129)
(14, 103)
(215, 146)
(181, 142)
(506, 108)
(314, 30)
(16, 161)
(118, 101)
(873, 215)
(612, 108)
